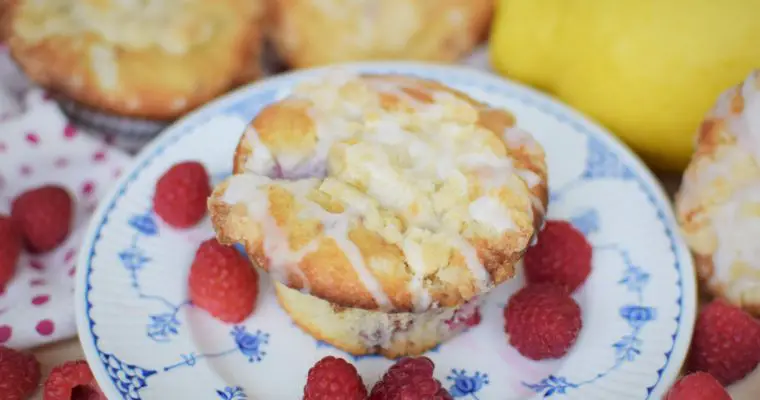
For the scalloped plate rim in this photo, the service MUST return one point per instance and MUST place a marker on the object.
(660, 198)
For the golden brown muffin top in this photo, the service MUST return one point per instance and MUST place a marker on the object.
(154, 59)
(174, 26)
(383, 192)
(718, 205)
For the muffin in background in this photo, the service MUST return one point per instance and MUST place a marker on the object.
(5, 18)
(718, 204)
(317, 32)
(131, 67)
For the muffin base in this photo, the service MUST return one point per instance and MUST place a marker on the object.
(128, 133)
(363, 332)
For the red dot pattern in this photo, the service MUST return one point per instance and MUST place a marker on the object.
(34, 307)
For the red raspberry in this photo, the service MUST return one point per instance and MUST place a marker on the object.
(11, 243)
(542, 321)
(561, 256)
(726, 342)
(697, 386)
(19, 374)
(223, 282)
(44, 216)
(410, 378)
(334, 379)
(181, 194)
(72, 381)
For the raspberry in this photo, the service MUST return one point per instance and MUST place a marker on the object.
(410, 378)
(11, 243)
(697, 386)
(19, 374)
(542, 321)
(726, 342)
(561, 256)
(44, 217)
(223, 282)
(72, 381)
(334, 379)
(181, 194)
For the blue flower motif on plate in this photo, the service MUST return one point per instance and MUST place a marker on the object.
(601, 163)
(231, 393)
(145, 224)
(250, 344)
(133, 259)
(637, 316)
(552, 385)
(163, 326)
(586, 222)
(465, 385)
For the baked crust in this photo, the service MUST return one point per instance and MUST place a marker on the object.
(718, 204)
(6, 6)
(384, 193)
(308, 32)
(148, 61)
(361, 332)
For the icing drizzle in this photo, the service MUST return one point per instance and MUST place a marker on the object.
(415, 160)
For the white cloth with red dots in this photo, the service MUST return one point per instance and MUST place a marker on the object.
(38, 146)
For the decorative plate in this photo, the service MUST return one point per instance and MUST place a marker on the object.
(144, 340)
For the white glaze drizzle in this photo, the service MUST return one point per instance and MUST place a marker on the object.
(438, 156)
(734, 220)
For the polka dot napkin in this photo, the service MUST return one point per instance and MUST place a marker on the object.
(38, 146)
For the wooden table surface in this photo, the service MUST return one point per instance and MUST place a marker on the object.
(57, 353)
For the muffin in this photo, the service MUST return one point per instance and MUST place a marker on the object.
(5, 18)
(149, 61)
(317, 32)
(718, 204)
(369, 196)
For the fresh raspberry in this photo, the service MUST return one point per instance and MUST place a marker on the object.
(542, 321)
(19, 374)
(697, 386)
(561, 256)
(223, 282)
(334, 379)
(726, 342)
(181, 194)
(11, 243)
(44, 216)
(410, 378)
(72, 381)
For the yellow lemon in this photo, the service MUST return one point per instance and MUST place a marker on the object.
(647, 69)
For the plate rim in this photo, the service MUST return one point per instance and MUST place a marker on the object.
(658, 196)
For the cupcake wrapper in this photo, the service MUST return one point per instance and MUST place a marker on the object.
(128, 133)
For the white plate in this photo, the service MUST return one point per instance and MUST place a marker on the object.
(143, 341)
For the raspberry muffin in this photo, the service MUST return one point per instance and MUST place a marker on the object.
(718, 204)
(366, 196)
(316, 32)
(148, 61)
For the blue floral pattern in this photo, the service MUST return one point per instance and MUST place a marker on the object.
(634, 279)
(250, 345)
(465, 385)
(160, 327)
(231, 393)
(164, 324)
